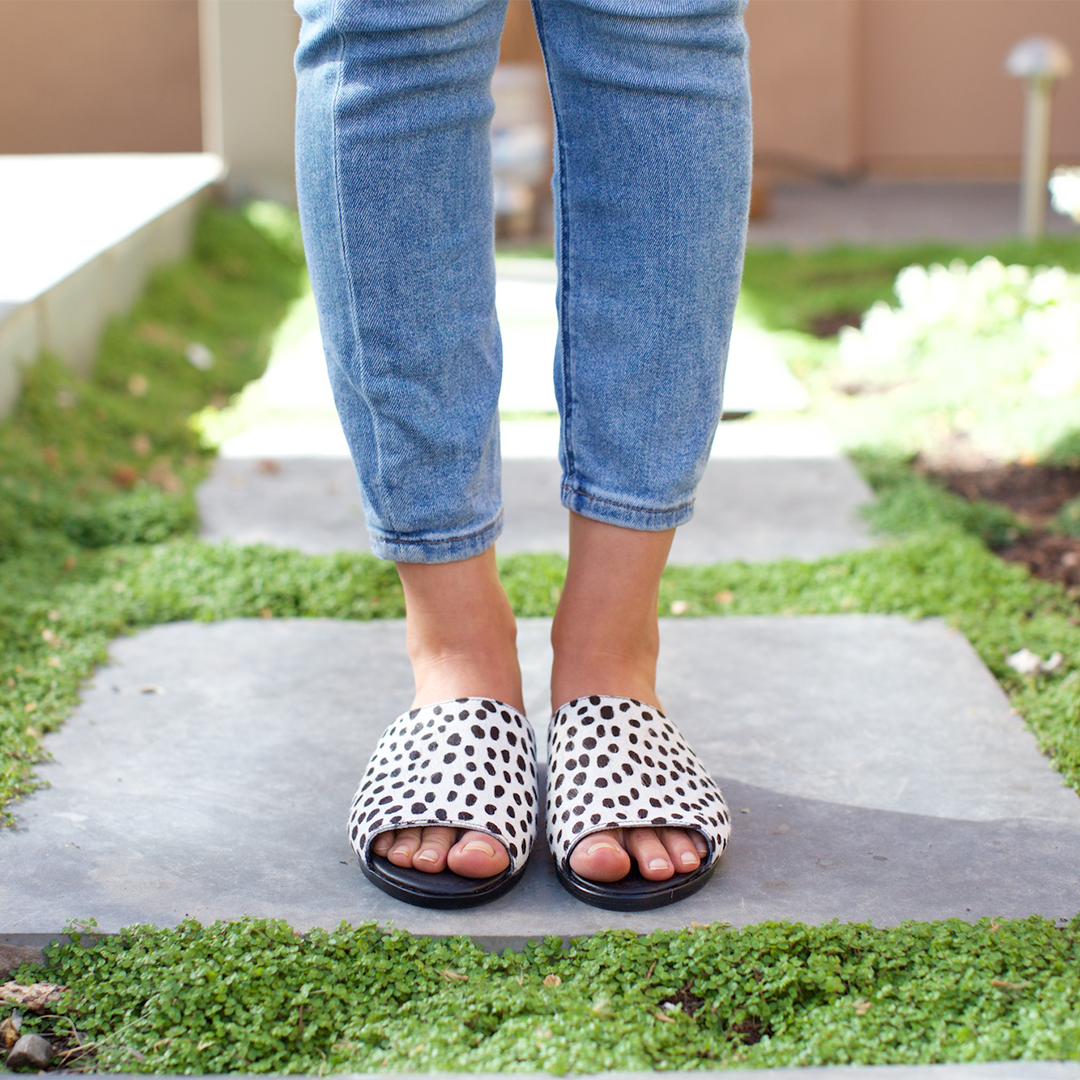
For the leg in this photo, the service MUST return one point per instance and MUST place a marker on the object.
(606, 641)
(395, 194)
(461, 638)
(394, 184)
(651, 189)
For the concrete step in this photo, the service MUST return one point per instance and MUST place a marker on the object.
(873, 767)
(754, 509)
(81, 233)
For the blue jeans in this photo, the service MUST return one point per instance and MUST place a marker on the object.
(651, 189)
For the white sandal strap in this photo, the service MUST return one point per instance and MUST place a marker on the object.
(469, 763)
(615, 763)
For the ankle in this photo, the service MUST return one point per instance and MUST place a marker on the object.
(460, 632)
(582, 669)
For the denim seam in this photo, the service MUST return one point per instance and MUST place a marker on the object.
(346, 260)
(564, 260)
(386, 538)
(570, 490)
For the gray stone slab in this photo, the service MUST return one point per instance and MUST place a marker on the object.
(889, 211)
(874, 769)
(755, 510)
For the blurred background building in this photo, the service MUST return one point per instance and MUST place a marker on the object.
(842, 88)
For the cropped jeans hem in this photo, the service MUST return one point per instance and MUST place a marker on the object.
(650, 192)
(435, 549)
(612, 511)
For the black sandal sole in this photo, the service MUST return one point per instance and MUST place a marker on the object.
(633, 892)
(445, 890)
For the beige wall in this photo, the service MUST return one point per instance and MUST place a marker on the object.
(955, 108)
(804, 67)
(841, 86)
(901, 86)
(99, 76)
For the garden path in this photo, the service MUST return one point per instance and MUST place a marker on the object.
(873, 767)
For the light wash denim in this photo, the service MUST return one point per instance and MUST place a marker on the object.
(651, 189)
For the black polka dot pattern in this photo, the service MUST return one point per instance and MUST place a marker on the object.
(469, 763)
(615, 763)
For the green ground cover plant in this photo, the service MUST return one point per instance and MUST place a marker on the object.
(958, 355)
(92, 463)
(254, 996)
(97, 539)
(801, 290)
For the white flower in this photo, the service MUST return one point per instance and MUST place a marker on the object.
(1065, 192)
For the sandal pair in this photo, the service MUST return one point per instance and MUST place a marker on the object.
(612, 763)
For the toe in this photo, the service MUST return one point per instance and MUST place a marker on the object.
(431, 849)
(382, 843)
(477, 855)
(685, 848)
(600, 857)
(646, 848)
(399, 847)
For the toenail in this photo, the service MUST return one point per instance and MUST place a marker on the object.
(689, 858)
(659, 864)
(401, 850)
(428, 855)
(479, 845)
(603, 845)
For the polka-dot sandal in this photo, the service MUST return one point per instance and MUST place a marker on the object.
(469, 763)
(615, 763)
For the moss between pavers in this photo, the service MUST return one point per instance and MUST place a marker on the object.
(87, 464)
(96, 513)
(252, 996)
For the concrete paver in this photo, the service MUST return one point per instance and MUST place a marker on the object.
(749, 509)
(883, 211)
(873, 767)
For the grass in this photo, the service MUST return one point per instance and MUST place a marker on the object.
(789, 290)
(254, 996)
(97, 539)
(109, 463)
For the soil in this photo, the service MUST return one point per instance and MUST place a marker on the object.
(830, 323)
(1035, 494)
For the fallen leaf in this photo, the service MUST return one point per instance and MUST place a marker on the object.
(37, 997)
(454, 976)
(862, 1007)
(1025, 662)
(680, 607)
(125, 476)
(142, 445)
(725, 596)
(9, 1030)
(552, 980)
(151, 689)
(199, 356)
(269, 467)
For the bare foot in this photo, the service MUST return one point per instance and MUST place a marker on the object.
(606, 640)
(462, 642)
